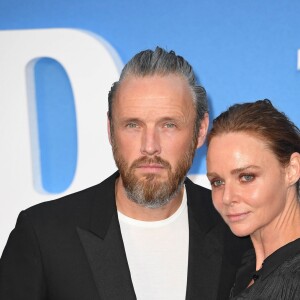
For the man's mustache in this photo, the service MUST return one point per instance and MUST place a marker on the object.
(150, 160)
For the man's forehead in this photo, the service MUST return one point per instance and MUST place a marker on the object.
(153, 80)
(154, 86)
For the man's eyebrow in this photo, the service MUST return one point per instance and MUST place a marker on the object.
(170, 118)
(129, 119)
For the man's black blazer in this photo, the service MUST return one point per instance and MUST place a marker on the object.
(72, 248)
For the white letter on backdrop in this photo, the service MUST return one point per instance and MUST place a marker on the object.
(92, 66)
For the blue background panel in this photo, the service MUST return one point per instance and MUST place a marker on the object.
(241, 50)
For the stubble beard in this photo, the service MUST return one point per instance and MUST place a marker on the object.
(150, 190)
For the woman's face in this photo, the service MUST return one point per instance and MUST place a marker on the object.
(249, 186)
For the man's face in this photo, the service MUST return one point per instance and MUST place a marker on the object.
(153, 136)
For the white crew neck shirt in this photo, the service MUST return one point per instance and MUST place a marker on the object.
(157, 254)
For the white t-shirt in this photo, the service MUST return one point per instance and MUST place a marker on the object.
(157, 254)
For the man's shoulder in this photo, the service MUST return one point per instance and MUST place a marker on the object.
(199, 196)
(200, 205)
(71, 204)
(197, 189)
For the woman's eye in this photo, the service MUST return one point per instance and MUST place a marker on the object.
(247, 177)
(217, 183)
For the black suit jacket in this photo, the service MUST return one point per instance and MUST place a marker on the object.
(72, 248)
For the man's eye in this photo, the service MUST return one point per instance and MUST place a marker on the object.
(217, 183)
(247, 177)
(170, 125)
(131, 125)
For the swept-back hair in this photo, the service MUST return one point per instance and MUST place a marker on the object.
(263, 120)
(161, 62)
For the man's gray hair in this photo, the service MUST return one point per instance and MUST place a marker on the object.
(162, 62)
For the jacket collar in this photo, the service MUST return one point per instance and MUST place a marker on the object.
(205, 245)
(104, 248)
(103, 206)
(105, 251)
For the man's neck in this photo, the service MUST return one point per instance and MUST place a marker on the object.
(133, 210)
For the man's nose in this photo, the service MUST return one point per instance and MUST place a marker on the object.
(150, 144)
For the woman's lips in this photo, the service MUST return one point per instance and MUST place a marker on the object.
(236, 217)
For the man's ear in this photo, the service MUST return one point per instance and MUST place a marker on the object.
(203, 130)
(293, 169)
(108, 128)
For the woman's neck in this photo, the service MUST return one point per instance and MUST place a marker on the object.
(281, 231)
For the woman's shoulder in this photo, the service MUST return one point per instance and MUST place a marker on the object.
(291, 266)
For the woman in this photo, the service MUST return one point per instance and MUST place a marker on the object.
(253, 164)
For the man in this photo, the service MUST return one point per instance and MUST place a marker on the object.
(146, 232)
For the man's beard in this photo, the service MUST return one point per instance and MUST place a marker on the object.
(149, 190)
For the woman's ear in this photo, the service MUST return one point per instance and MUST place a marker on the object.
(293, 169)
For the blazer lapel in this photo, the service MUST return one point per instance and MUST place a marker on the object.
(104, 246)
(205, 248)
(205, 255)
(108, 262)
